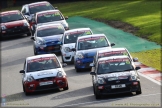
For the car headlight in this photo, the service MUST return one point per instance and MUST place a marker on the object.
(26, 24)
(101, 81)
(59, 74)
(67, 49)
(80, 56)
(133, 77)
(30, 79)
(3, 27)
(41, 42)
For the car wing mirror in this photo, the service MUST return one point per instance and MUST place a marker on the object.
(137, 68)
(22, 71)
(112, 44)
(32, 38)
(73, 49)
(135, 59)
(56, 7)
(64, 65)
(91, 65)
(66, 17)
(92, 73)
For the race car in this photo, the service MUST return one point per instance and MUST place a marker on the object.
(28, 10)
(112, 52)
(115, 74)
(48, 17)
(43, 72)
(47, 39)
(68, 42)
(13, 23)
(86, 48)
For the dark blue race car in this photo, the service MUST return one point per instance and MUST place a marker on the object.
(47, 38)
(86, 48)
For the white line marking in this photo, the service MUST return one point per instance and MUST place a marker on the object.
(107, 100)
(153, 80)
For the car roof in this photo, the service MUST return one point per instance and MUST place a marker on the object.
(47, 11)
(48, 25)
(77, 29)
(34, 3)
(112, 49)
(40, 56)
(93, 35)
(4, 12)
(113, 57)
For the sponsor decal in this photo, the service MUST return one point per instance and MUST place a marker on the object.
(91, 38)
(41, 59)
(77, 32)
(113, 53)
(40, 4)
(9, 13)
(49, 13)
(113, 60)
(49, 27)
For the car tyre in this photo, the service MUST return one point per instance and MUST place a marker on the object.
(35, 52)
(93, 89)
(97, 95)
(66, 88)
(28, 34)
(62, 59)
(26, 93)
(139, 91)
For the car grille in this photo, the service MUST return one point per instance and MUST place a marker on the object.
(45, 79)
(17, 29)
(46, 87)
(51, 48)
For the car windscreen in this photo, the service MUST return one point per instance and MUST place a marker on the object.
(49, 17)
(113, 53)
(114, 65)
(50, 31)
(92, 42)
(71, 37)
(9, 17)
(40, 7)
(42, 64)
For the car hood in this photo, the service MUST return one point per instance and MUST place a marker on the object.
(119, 75)
(52, 38)
(91, 52)
(44, 73)
(71, 45)
(14, 23)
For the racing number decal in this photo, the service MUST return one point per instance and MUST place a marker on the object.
(125, 53)
(88, 32)
(127, 62)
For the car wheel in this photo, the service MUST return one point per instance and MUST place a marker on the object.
(28, 34)
(26, 93)
(66, 88)
(35, 52)
(77, 70)
(62, 59)
(23, 88)
(98, 96)
(139, 91)
(93, 89)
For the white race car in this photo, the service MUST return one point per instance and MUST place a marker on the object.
(68, 42)
(43, 72)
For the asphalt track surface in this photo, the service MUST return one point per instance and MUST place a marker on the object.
(80, 93)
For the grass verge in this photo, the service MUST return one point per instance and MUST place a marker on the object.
(150, 58)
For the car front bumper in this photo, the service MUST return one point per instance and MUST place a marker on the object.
(68, 57)
(83, 63)
(35, 85)
(130, 87)
(15, 31)
(48, 49)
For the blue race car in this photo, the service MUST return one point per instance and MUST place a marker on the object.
(47, 38)
(86, 48)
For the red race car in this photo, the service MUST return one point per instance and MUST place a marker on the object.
(13, 23)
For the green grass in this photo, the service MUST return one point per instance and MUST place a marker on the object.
(150, 58)
(143, 14)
